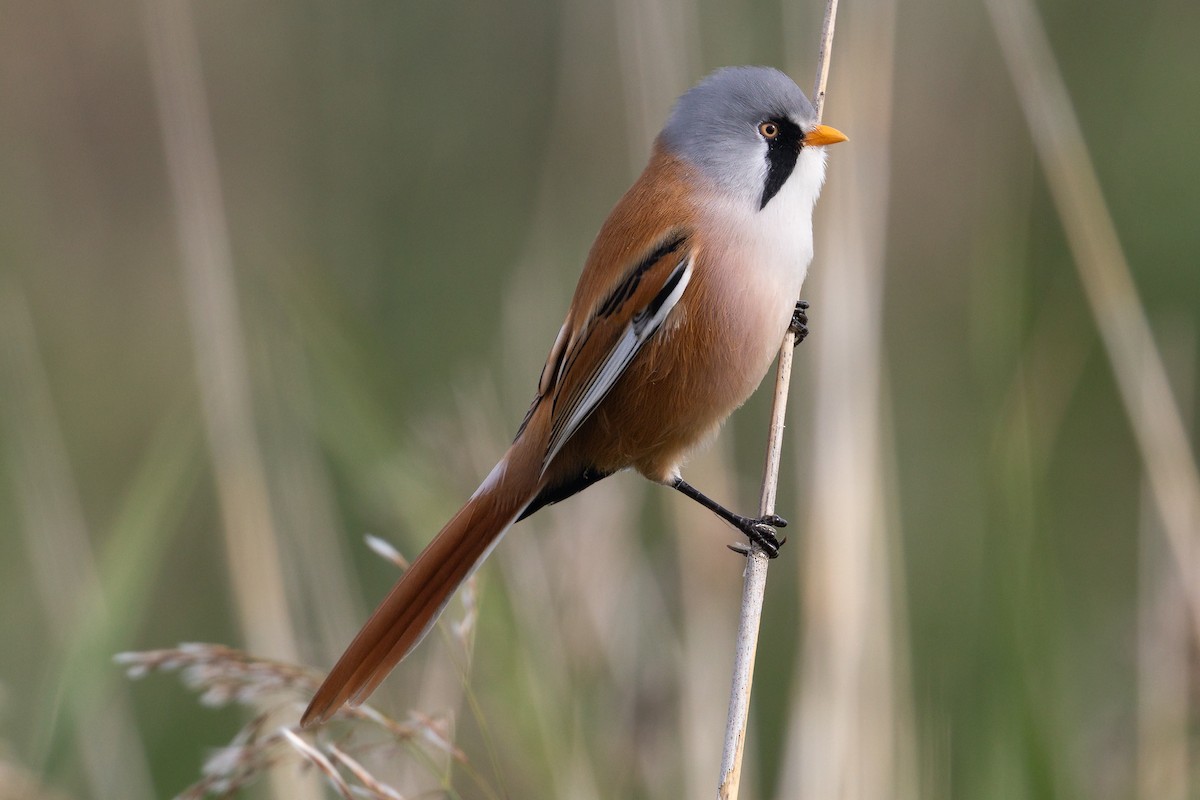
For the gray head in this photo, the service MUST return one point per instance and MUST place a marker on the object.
(743, 128)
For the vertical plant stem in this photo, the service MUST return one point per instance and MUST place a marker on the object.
(217, 335)
(755, 577)
(1163, 683)
(823, 57)
(848, 729)
(252, 550)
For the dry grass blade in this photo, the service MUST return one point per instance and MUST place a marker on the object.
(222, 374)
(434, 732)
(386, 550)
(1163, 650)
(1163, 703)
(372, 784)
(319, 760)
(464, 629)
(1112, 296)
(251, 548)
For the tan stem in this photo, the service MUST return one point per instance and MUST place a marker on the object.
(755, 577)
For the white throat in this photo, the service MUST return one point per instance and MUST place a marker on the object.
(785, 222)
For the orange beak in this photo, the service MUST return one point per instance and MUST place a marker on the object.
(823, 134)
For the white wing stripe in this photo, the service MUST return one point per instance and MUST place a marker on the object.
(636, 334)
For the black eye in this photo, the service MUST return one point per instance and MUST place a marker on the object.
(769, 130)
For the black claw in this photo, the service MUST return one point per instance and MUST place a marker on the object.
(799, 324)
(761, 531)
(767, 541)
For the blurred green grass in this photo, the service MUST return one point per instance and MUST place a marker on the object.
(410, 191)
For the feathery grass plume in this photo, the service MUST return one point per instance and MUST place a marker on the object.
(318, 759)
(361, 774)
(224, 675)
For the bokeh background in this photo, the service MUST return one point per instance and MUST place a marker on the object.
(276, 276)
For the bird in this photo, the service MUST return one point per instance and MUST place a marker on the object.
(684, 300)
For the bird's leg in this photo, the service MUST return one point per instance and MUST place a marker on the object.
(799, 325)
(760, 530)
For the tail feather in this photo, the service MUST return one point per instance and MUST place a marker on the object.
(415, 602)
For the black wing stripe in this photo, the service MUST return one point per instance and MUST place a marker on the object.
(629, 283)
(651, 311)
(671, 244)
(585, 397)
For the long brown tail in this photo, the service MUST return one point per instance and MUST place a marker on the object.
(417, 599)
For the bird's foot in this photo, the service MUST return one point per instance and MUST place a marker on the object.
(760, 531)
(799, 324)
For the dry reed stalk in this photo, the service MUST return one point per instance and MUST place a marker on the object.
(755, 578)
(1163, 668)
(317, 557)
(444, 682)
(222, 375)
(847, 739)
(1108, 284)
(251, 547)
(851, 732)
(1164, 655)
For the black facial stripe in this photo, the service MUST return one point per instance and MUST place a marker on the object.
(782, 152)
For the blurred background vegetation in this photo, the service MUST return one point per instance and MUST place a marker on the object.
(274, 276)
